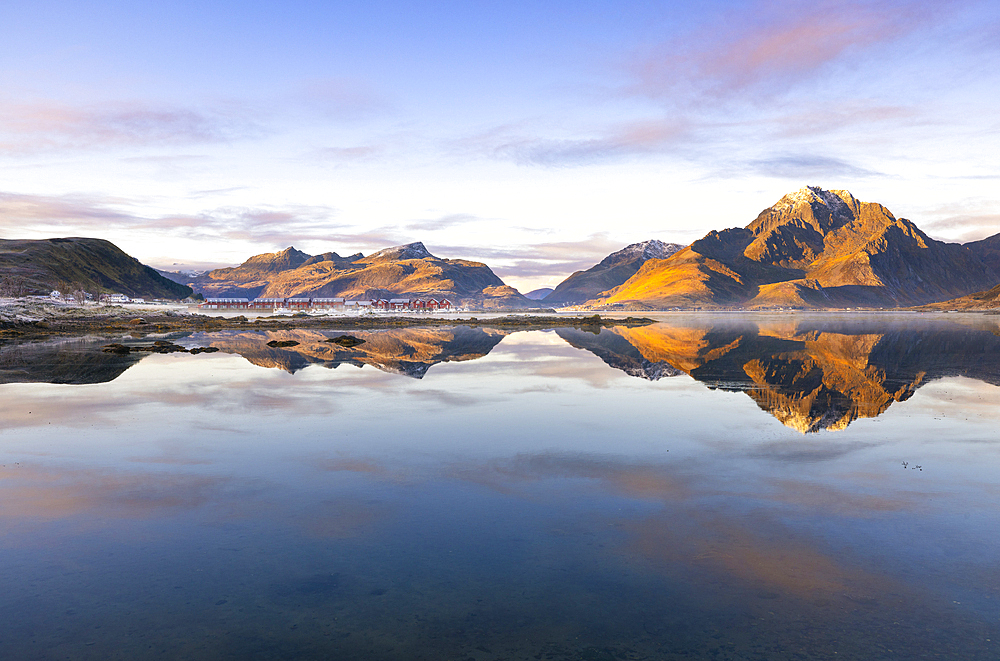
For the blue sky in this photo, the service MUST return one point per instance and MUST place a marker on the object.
(537, 137)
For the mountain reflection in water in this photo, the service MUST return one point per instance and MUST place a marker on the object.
(407, 351)
(810, 372)
(74, 362)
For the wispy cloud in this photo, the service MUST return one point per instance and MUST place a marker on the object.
(767, 74)
(338, 98)
(963, 221)
(313, 228)
(832, 117)
(39, 126)
(621, 141)
(524, 146)
(48, 126)
(554, 258)
(20, 211)
(767, 48)
(59, 215)
(442, 223)
(345, 154)
(806, 166)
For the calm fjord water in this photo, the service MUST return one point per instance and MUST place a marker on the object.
(800, 487)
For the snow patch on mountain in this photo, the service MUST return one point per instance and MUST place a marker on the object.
(651, 249)
(838, 201)
(415, 250)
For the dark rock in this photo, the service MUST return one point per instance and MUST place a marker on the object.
(120, 349)
(282, 343)
(162, 346)
(346, 341)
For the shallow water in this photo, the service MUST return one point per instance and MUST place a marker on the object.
(799, 487)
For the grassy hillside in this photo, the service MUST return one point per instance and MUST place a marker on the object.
(94, 265)
(983, 300)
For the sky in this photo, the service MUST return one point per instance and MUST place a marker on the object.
(534, 136)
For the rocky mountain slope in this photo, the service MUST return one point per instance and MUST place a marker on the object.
(611, 272)
(987, 250)
(813, 248)
(407, 271)
(95, 265)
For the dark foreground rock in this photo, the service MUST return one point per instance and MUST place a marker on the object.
(160, 346)
(279, 344)
(346, 341)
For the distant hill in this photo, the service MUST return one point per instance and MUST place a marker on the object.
(94, 265)
(611, 272)
(813, 248)
(982, 300)
(538, 294)
(407, 271)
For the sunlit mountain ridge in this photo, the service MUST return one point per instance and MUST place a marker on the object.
(407, 271)
(814, 248)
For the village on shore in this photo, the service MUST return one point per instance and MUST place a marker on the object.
(301, 304)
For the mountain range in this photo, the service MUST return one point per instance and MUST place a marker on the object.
(813, 248)
(407, 271)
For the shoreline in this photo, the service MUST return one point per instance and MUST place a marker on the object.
(37, 320)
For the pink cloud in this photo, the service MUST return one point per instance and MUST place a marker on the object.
(770, 47)
(622, 140)
(47, 126)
